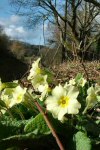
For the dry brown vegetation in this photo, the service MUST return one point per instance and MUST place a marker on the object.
(69, 70)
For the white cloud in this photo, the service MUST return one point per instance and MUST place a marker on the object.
(20, 30)
(16, 32)
(9, 31)
(15, 19)
(15, 29)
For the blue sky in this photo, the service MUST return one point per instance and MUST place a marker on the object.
(14, 26)
(5, 9)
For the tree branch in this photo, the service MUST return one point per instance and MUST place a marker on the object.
(94, 2)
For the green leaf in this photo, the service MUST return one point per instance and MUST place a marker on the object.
(49, 74)
(30, 141)
(9, 126)
(16, 140)
(10, 85)
(92, 127)
(88, 125)
(37, 125)
(78, 77)
(2, 104)
(82, 141)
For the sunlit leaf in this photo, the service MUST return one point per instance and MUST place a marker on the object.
(37, 125)
(82, 141)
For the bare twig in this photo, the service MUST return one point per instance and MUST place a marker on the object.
(86, 73)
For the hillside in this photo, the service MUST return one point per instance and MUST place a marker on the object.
(15, 60)
(23, 49)
(11, 68)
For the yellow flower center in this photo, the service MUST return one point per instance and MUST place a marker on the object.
(38, 71)
(19, 98)
(49, 90)
(64, 101)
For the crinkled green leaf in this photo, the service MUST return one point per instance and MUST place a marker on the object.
(9, 126)
(37, 125)
(82, 141)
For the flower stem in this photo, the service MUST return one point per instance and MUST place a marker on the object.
(49, 125)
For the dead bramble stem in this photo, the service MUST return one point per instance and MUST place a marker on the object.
(47, 121)
(49, 125)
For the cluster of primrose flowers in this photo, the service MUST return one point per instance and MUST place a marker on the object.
(11, 96)
(60, 100)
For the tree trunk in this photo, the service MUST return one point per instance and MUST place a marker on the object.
(63, 53)
(64, 34)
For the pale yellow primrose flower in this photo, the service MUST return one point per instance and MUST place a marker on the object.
(12, 96)
(67, 86)
(72, 82)
(6, 96)
(63, 101)
(6, 100)
(18, 94)
(44, 89)
(36, 76)
(93, 96)
(81, 82)
(35, 70)
(39, 80)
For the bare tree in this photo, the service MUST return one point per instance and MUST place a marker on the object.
(95, 2)
(84, 29)
(75, 19)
